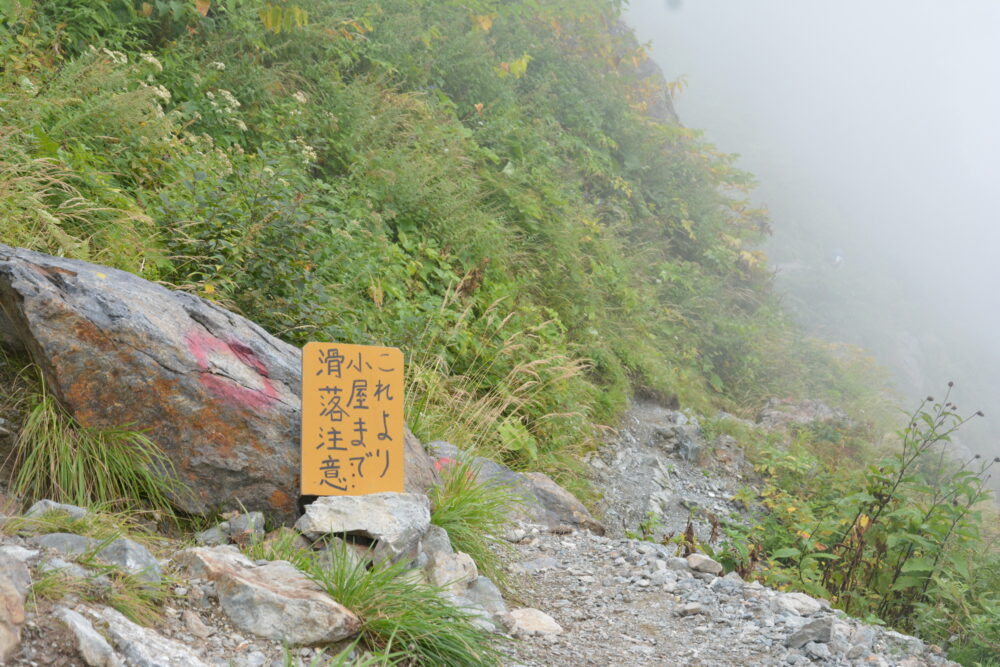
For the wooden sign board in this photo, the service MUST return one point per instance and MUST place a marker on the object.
(352, 419)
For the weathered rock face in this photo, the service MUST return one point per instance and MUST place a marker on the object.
(214, 390)
(394, 521)
(273, 600)
(779, 413)
(142, 646)
(93, 648)
(419, 474)
(14, 582)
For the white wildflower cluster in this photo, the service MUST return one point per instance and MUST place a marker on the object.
(309, 155)
(161, 92)
(226, 103)
(151, 60)
(229, 99)
(117, 57)
(203, 145)
(300, 97)
(217, 65)
(27, 85)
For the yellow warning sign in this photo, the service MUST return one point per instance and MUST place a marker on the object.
(352, 419)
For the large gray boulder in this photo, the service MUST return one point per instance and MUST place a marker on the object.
(217, 393)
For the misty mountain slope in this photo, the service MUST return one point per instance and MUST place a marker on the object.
(860, 156)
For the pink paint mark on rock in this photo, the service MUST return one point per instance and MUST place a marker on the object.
(443, 462)
(247, 356)
(207, 349)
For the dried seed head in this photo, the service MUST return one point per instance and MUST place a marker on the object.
(979, 413)
(930, 399)
(950, 383)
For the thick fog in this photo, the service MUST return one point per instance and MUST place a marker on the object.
(873, 128)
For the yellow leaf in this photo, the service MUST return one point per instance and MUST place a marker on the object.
(202, 6)
(209, 288)
(484, 21)
(146, 10)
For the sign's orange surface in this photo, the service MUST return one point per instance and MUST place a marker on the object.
(352, 419)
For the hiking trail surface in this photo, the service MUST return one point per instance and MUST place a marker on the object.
(621, 601)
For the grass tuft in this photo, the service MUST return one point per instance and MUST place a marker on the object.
(118, 469)
(97, 523)
(404, 620)
(476, 515)
(398, 610)
(140, 601)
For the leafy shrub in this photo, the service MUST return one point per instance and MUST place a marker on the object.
(899, 541)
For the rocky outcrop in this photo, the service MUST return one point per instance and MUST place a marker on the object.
(392, 522)
(272, 600)
(544, 501)
(217, 393)
(779, 413)
(212, 389)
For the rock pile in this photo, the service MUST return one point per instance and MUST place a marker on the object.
(226, 609)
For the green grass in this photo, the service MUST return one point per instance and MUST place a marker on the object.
(397, 610)
(476, 515)
(117, 469)
(99, 523)
(404, 620)
(139, 600)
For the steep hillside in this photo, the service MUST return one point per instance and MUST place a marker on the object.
(502, 189)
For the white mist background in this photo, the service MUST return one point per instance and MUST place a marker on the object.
(873, 127)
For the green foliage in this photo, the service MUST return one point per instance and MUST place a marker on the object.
(348, 657)
(899, 541)
(431, 175)
(397, 611)
(648, 528)
(140, 600)
(56, 458)
(101, 523)
(476, 515)
(403, 620)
